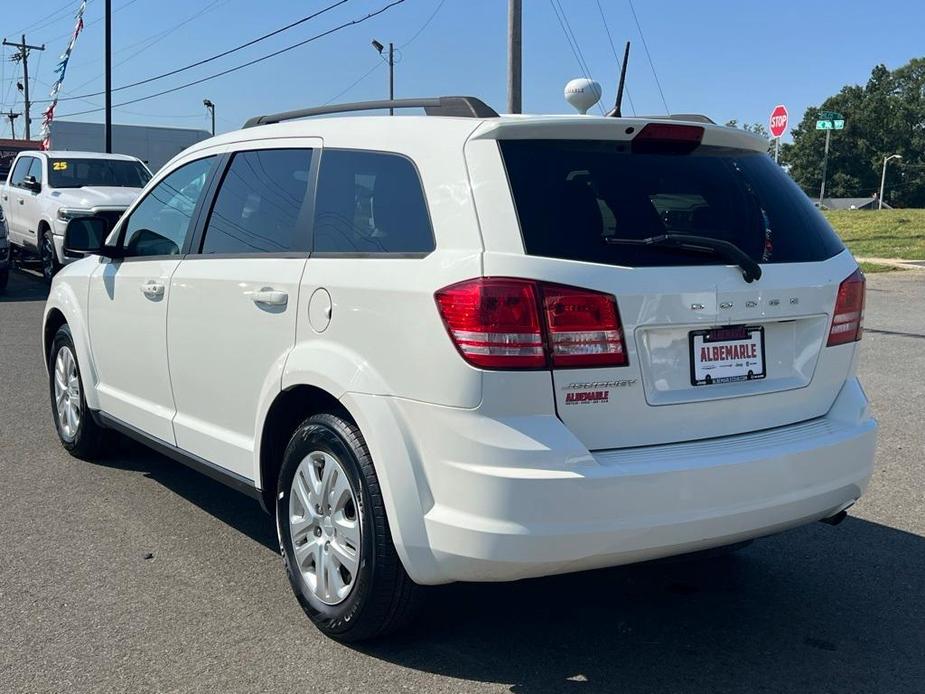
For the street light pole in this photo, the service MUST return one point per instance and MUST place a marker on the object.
(883, 177)
(380, 48)
(209, 105)
(514, 55)
(107, 103)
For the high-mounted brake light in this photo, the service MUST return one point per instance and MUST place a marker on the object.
(848, 317)
(496, 323)
(667, 138)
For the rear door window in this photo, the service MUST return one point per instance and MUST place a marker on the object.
(571, 195)
(370, 202)
(259, 203)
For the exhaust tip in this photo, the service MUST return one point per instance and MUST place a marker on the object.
(836, 519)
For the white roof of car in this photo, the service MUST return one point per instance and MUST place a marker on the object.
(406, 133)
(67, 154)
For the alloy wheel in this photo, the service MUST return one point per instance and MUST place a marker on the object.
(324, 525)
(67, 393)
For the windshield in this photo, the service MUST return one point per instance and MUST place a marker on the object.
(76, 173)
(571, 195)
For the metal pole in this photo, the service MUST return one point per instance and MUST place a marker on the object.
(777, 150)
(212, 110)
(882, 183)
(514, 55)
(108, 69)
(825, 163)
(391, 76)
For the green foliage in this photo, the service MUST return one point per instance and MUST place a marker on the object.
(885, 116)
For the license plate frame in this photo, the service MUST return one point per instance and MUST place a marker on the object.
(728, 334)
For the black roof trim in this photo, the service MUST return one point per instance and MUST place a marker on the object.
(453, 106)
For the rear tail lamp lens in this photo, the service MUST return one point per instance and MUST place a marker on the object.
(848, 318)
(506, 323)
(583, 327)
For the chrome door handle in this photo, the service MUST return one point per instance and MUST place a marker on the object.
(270, 297)
(153, 289)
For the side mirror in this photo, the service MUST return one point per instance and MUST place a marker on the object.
(29, 183)
(85, 236)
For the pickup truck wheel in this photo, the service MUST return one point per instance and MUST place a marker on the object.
(79, 434)
(334, 535)
(50, 264)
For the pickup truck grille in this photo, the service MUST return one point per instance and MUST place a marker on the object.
(111, 216)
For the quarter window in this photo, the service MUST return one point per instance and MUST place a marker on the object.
(370, 202)
(257, 208)
(158, 226)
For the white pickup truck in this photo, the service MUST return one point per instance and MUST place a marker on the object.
(46, 189)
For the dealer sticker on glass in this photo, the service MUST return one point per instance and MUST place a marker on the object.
(724, 355)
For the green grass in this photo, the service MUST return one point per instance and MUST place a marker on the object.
(868, 268)
(881, 233)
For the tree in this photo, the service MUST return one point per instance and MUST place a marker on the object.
(755, 128)
(885, 116)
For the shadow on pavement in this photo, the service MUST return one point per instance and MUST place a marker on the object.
(818, 609)
(24, 286)
(232, 508)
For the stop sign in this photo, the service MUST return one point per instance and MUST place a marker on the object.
(778, 120)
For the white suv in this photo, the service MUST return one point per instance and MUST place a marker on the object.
(46, 189)
(472, 347)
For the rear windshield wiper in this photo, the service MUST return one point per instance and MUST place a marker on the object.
(751, 271)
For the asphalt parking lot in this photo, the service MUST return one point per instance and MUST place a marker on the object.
(135, 574)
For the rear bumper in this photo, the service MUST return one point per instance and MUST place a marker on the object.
(520, 497)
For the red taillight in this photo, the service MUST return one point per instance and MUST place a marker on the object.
(848, 318)
(583, 327)
(667, 138)
(495, 323)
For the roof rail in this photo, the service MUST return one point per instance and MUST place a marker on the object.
(454, 106)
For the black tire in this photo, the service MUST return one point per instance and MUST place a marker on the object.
(48, 257)
(383, 598)
(4, 280)
(88, 439)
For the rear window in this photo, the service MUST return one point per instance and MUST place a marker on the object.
(571, 195)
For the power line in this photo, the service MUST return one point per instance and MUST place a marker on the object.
(150, 41)
(649, 57)
(250, 62)
(615, 55)
(380, 63)
(66, 12)
(214, 57)
(573, 42)
(424, 25)
(65, 35)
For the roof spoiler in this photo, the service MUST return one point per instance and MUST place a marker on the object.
(448, 106)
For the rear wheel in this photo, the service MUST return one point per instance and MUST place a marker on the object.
(47, 255)
(79, 434)
(334, 535)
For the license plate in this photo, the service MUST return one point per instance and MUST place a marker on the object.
(725, 355)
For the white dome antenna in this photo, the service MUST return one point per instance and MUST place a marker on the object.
(582, 94)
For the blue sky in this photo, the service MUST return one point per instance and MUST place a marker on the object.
(727, 59)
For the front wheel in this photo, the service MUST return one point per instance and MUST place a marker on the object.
(79, 434)
(49, 258)
(334, 535)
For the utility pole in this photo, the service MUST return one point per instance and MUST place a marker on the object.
(514, 55)
(23, 55)
(886, 160)
(12, 116)
(108, 50)
(825, 163)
